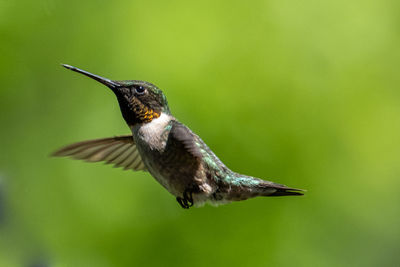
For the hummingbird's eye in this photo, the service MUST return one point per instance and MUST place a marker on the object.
(139, 90)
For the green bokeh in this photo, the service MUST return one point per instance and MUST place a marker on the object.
(304, 93)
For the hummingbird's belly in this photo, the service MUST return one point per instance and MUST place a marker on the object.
(176, 173)
(165, 179)
(169, 162)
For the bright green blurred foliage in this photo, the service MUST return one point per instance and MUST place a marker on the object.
(305, 93)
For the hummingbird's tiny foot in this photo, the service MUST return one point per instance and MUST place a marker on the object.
(183, 202)
(188, 197)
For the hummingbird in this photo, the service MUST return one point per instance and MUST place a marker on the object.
(161, 145)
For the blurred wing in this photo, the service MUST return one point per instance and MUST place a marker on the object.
(120, 151)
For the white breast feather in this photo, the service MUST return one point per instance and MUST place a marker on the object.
(151, 132)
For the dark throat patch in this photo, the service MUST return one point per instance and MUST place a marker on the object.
(142, 112)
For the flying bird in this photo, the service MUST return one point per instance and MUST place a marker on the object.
(175, 156)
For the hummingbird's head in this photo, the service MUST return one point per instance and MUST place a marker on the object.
(140, 101)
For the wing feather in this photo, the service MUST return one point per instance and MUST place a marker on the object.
(119, 150)
(187, 138)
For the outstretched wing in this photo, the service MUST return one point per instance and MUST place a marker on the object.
(120, 151)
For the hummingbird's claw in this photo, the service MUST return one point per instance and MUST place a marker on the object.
(183, 202)
(187, 200)
(188, 196)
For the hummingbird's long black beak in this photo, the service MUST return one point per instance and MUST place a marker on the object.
(108, 82)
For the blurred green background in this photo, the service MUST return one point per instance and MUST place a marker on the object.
(303, 93)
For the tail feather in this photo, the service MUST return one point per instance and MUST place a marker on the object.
(249, 187)
(280, 190)
(286, 192)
